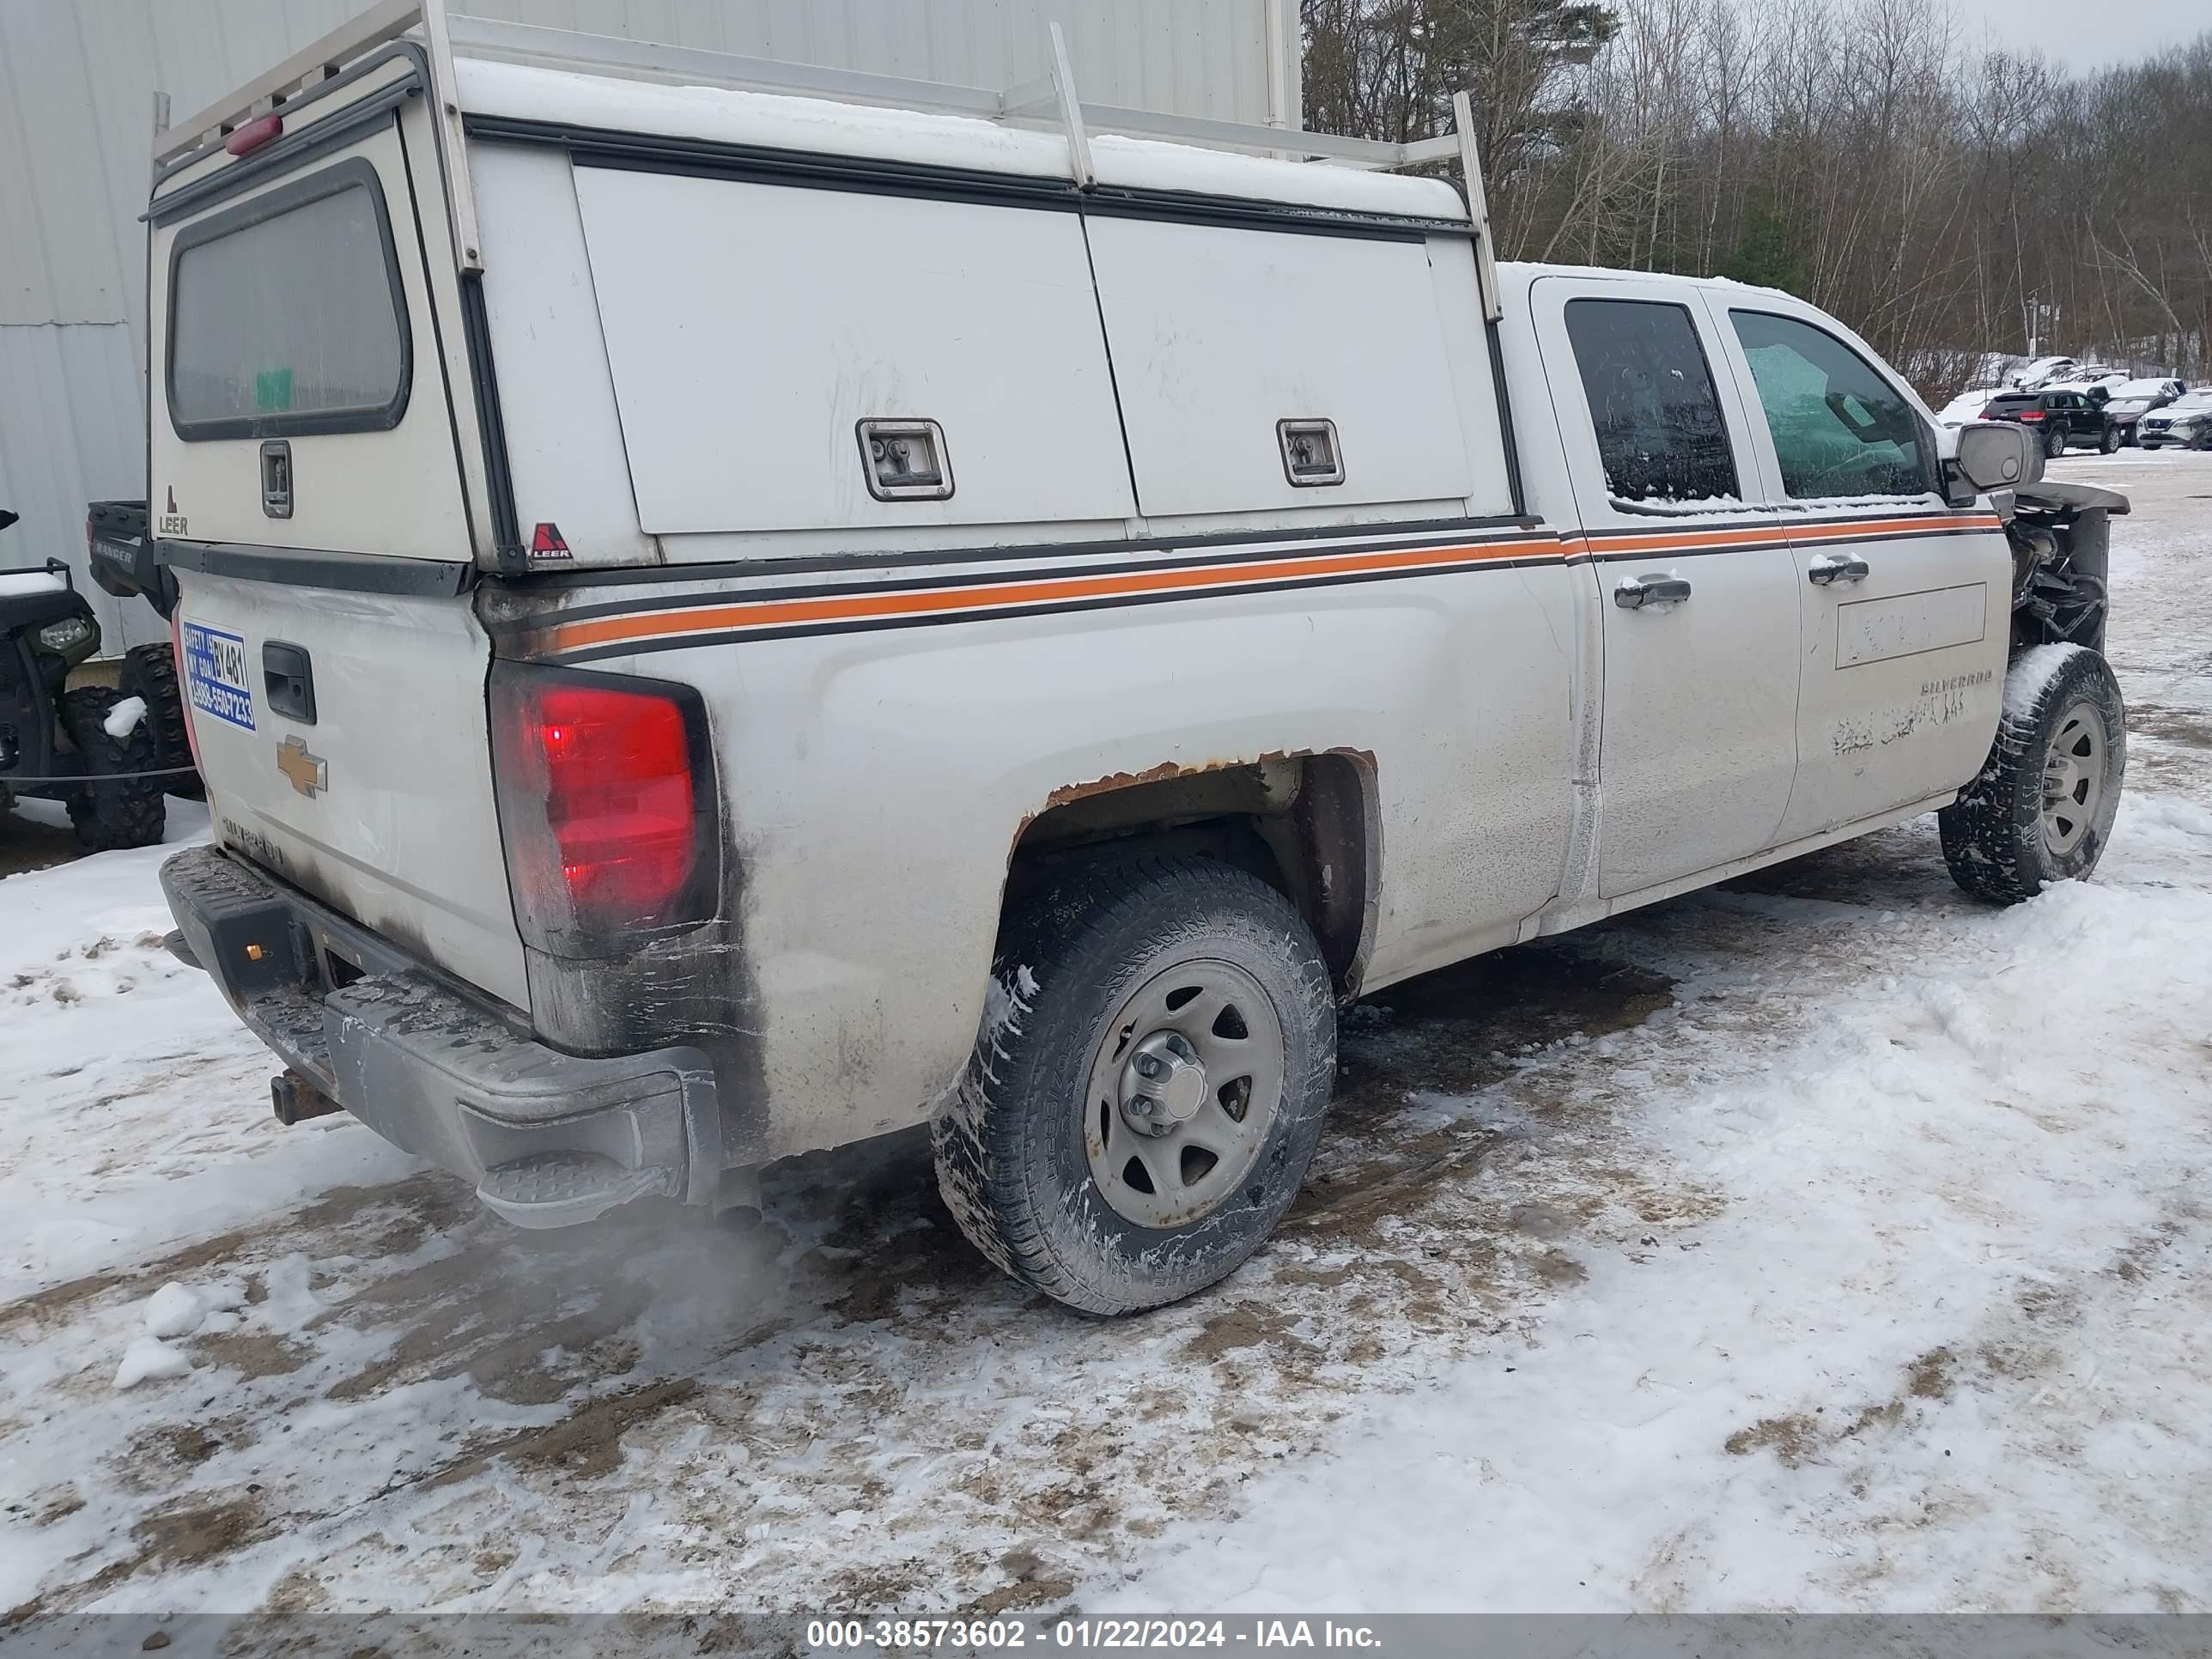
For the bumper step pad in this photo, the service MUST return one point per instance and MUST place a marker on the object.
(559, 1189)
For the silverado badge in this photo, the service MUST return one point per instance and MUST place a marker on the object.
(306, 772)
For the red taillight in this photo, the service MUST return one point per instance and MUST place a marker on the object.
(2031, 413)
(262, 129)
(607, 829)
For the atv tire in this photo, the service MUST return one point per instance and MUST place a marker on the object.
(2042, 808)
(1156, 1060)
(151, 672)
(111, 810)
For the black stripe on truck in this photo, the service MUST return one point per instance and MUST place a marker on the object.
(351, 573)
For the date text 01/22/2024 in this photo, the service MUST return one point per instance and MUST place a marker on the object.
(1139, 1635)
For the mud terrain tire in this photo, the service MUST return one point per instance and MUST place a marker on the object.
(151, 672)
(1037, 1154)
(110, 810)
(2042, 808)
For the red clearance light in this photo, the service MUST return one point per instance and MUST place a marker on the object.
(262, 129)
(607, 833)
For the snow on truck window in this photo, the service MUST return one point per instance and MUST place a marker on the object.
(284, 314)
(1839, 428)
(1659, 427)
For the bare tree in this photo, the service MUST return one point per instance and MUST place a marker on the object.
(1945, 205)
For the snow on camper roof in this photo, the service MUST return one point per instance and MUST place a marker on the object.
(816, 125)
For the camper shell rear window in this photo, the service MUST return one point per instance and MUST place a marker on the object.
(286, 313)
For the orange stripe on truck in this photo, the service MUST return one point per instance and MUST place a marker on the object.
(1124, 584)
(817, 610)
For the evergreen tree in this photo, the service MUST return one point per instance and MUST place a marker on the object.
(1763, 255)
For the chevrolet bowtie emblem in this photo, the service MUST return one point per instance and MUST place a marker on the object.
(306, 772)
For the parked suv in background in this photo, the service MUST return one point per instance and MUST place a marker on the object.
(2187, 421)
(2034, 376)
(2062, 418)
(2096, 387)
(2133, 399)
(1967, 406)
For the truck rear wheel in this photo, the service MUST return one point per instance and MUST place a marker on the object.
(1149, 1085)
(2042, 809)
(113, 808)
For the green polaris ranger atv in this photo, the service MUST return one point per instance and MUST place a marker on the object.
(106, 755)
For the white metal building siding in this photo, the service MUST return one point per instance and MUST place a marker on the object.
(77, 83)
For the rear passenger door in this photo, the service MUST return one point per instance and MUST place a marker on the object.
(1902, 599)
(1697, 589)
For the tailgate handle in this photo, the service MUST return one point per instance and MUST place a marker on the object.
(277, 479)
(289, 680)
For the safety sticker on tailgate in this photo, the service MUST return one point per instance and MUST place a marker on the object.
(215, 674)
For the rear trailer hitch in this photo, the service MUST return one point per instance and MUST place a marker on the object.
(296, 1098)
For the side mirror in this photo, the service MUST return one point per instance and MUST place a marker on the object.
(6, 518)
(1998, 455)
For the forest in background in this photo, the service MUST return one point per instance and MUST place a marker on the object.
(1944, 197)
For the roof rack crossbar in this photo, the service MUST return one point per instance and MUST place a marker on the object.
(386, 20)
(1036, 101)
(622, 59)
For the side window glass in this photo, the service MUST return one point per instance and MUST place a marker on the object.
(1839, 428)
(1658, 419)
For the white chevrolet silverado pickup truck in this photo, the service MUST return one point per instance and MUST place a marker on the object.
(719, 624)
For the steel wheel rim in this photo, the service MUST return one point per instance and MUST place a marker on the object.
(2074, 778)
(1183, 1020)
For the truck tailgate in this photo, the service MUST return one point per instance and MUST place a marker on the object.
(343, 738)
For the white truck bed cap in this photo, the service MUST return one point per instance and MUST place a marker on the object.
(820, 126)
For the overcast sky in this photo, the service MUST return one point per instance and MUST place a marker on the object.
(2087, 35)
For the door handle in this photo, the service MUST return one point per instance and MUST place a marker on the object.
(1634, 592)
(1828, 570)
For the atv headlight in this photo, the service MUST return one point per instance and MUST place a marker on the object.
(71, 636)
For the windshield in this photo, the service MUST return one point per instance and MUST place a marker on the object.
(2140, 389)
(2194, 400)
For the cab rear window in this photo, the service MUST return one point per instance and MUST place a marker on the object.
(286, 314)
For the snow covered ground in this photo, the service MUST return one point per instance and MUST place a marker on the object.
(1825, 1241)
